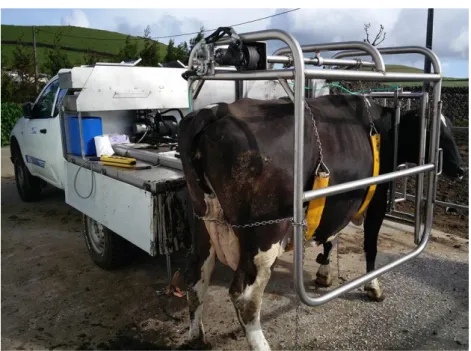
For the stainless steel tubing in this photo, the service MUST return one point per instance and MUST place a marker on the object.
(286, 87)
(419, 185)
(437, 69)
(366, 48)
(325, 74)
(363, 183)
(316, 62)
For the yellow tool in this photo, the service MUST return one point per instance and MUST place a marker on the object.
(118, 160)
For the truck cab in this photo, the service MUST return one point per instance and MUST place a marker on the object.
(36, 143)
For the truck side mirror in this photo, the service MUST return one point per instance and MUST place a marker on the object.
(27, 109)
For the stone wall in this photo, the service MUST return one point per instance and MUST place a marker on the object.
(455, 99)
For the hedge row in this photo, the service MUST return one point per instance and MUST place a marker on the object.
(10, 114)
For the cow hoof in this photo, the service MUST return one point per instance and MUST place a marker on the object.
(196, 344)
(323, 280)
(373, 290)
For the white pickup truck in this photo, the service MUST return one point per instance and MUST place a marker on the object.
(145, 206)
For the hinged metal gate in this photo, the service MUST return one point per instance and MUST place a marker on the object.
(299, 74)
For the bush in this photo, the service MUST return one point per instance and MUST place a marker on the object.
(10, 114)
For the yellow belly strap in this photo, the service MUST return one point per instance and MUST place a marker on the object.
(375, 144)
(321, 180)
(316, 208)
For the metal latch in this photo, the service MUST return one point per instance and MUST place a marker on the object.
(440, 161)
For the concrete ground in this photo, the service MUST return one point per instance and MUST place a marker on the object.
(54, 297)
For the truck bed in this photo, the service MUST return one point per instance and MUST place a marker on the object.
(157, 170)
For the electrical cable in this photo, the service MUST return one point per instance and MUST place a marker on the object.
(92, 180)
(171, 36)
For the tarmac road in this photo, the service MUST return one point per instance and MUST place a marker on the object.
(54, 297)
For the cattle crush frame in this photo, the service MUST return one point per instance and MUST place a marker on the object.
(203, 55)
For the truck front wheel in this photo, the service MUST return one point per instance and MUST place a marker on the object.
(106, 248)
(29, 186)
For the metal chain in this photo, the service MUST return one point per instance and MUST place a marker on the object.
(249, 225)
(370, 119)
(318, 140)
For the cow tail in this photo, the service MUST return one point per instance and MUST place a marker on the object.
(192, 128)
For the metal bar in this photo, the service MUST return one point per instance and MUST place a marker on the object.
(428, 43)
(287, 89)
(389, 94)
(316, 62)
(395, 128)
(367, 277)
(409, 104)
(437, 69)
(368, 49)
(403, 214)
(410, 197)
(404, 187)
(198, 87)
(399, 219)
(239, 89)
(419, 183)
(372, 76)
(82, 147)
(169, 268)
(324, 74)
(363, 183)
(435, 131)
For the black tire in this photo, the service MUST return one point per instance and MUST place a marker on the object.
(106, 248)
(28, 186)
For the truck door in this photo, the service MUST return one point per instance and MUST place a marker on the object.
(42, 133)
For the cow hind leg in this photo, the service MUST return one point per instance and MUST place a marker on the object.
(373, 221)
(196, 294)
(323, 276)
(246, 293)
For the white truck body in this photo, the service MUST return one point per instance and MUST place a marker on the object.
(127, 202)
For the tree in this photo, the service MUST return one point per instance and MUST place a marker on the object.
(150, 53)
(23, 63)
(378, 39)
(56, 59)
(21, 88)
(171, 52)
(90, 57)
(197, 39)
(182, 52)
(129, 51)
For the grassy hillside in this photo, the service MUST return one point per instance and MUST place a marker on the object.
(77, 38)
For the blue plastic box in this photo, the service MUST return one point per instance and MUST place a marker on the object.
(91, 127)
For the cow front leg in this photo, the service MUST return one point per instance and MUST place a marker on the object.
(201, 268)
(323, 276)
(373, 221)
(246, 293)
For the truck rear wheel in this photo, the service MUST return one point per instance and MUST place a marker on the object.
(106, 248)
(29, 187)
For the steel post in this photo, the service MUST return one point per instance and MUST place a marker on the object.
(419, 183)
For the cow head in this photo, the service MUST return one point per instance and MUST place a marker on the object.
(453, 165)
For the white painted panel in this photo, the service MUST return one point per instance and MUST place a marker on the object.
(123, 208)
(107, 88)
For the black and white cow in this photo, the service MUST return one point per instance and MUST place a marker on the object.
(238, 163)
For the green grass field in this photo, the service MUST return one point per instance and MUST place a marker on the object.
(75, 37)
(111, 42)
